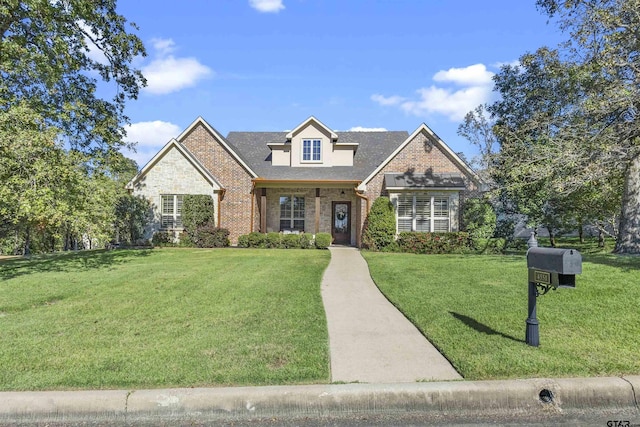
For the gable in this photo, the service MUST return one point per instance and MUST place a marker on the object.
(423, 153)
(171, 162)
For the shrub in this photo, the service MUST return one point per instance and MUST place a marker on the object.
(380, 225)
(243, 241)
(479, 218)
(197, 210)
(256, 240)
(290, 241)
(185, 241)
(272, 240)
(305, 241)
(323, 240)
(493, 246)
(434, 243)
(162, 238)
(208, 236)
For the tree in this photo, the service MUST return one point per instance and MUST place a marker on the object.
(49, 52)
(604, 133)
(567, 121)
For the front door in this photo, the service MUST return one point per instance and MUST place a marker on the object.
(341, 228)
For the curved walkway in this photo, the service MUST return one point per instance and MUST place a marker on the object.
(370, 340)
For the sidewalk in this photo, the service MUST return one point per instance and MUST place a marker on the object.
(370, 340)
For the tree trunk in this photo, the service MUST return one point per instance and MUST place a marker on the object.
(581, 232)
(628, 241)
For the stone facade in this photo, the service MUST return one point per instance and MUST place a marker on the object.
(172, 174)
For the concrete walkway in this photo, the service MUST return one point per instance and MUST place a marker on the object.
(370, 340)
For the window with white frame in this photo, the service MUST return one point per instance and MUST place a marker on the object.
(423, 212)
(311, 150)
(292, 213)
(171, 211)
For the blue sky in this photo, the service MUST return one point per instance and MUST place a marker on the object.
(354, 64)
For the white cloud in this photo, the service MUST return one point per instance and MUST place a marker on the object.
(150, 138)
(459, 90)
(453, 104)
(385, 101)
(473, 75)
(363, 129)
(167, 74)
(267, 6)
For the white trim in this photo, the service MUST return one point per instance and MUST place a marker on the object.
(185, 153)
(220, 139)
(312, 139)
(439, 142)
(304, 124)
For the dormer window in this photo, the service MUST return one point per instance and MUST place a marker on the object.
(311, 150)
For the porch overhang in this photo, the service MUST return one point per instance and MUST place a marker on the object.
(311, 183)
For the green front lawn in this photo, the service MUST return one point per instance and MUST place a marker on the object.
(473, 308)
(163, 318)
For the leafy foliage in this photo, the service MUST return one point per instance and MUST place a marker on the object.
(50, 52)
(479, 218)
(198, 217)
(133, 213)
(380, 225)
(434, 243)
(323, 240)
(209, 236)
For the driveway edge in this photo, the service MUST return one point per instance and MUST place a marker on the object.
(526, 396)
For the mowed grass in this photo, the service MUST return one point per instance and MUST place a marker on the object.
(163, 318)
(474, 308)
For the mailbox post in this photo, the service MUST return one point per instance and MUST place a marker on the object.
(549, 268)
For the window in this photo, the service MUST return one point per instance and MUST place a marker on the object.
(422, 212)
(292, 213)
(311, 150)
(171, 211)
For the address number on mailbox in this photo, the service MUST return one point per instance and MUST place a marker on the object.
(542, 277)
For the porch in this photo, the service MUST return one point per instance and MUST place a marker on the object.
(334, 207)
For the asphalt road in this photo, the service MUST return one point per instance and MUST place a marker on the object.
(609, 418)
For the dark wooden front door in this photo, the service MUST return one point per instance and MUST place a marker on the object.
(341, 223)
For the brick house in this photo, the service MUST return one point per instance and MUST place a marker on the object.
(311, 179)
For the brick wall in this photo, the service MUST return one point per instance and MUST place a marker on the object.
(235, 208)
(420, 155)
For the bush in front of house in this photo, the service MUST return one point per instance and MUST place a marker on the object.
(243, 241)
(290, 241)
(162, 238)
(493, 246)
(434, 243)
(323, 240)
(197, 214)
(306, 240)
(256, 240)
(208, 236)
(380, 225)
(273, 240)
(479, 218)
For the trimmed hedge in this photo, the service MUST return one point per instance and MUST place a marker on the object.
(380, 225)
(284, 241)
(208, 236)
(323, 240)
(434, 243)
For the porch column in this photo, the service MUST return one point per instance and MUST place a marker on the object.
(317, 222)
(263, 211)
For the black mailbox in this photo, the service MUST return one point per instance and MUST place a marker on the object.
(554, 267)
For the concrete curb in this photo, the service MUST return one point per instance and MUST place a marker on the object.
(512, 396)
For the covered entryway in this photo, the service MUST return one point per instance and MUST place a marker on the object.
(341, 223)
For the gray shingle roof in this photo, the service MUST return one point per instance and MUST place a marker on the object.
(373, 149)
